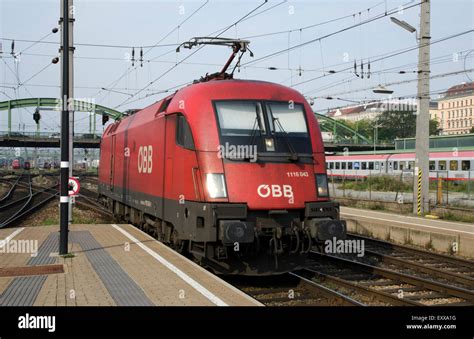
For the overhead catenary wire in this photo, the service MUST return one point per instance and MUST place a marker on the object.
(131, 68)
(190, 55)
(433, 61)
(308, 26)
(35, 42)
(377, 17)
(447, 57)
(34, 75)
(436, 76)
(390, 55)
(365, 101)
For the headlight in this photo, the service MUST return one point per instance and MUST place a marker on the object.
(322, 185)
(215, 184)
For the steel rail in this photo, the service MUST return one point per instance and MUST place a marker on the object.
(449, 290)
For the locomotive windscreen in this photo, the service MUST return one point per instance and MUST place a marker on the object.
(279, 128)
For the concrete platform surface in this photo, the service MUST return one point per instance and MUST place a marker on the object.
(443, 236)
(108, 265)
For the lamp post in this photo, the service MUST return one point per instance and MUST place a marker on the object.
(421, 182)
(376, 136)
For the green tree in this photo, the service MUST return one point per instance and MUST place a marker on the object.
(364, 126)
(401, 124)
(396, 124)
(434, 127)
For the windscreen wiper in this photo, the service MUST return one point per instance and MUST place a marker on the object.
(294, 155)
(257, 123)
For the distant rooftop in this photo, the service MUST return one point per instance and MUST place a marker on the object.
(377, 106)
(458, 90)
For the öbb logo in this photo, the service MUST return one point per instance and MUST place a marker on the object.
(275, 191)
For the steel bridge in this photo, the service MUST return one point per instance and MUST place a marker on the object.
(10, 138)
(345, 138)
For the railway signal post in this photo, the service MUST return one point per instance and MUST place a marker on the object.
(66, 71)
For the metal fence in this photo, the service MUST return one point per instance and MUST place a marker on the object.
(445, 188)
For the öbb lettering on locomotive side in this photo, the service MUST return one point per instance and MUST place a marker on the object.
(202, 201)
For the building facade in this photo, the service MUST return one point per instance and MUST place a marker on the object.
(455, 109)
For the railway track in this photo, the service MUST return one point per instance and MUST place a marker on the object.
(10, 191)
(88, 196)
(384, 284)
(291, 289)
(439, 267)
(24, 199)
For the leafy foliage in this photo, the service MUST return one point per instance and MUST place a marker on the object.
(391, 125)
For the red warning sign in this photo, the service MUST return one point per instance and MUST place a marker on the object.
(74, 186)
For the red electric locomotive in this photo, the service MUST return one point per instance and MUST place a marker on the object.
(16, 164)
(231, 172)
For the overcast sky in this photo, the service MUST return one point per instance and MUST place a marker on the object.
(144, 23)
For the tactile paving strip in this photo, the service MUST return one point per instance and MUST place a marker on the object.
(23, 291)
(123, 289)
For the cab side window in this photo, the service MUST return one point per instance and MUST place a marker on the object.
(184, 136)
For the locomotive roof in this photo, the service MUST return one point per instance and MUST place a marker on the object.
(208, 89)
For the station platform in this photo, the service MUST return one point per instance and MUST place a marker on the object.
(443, 236)
(108, 265)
